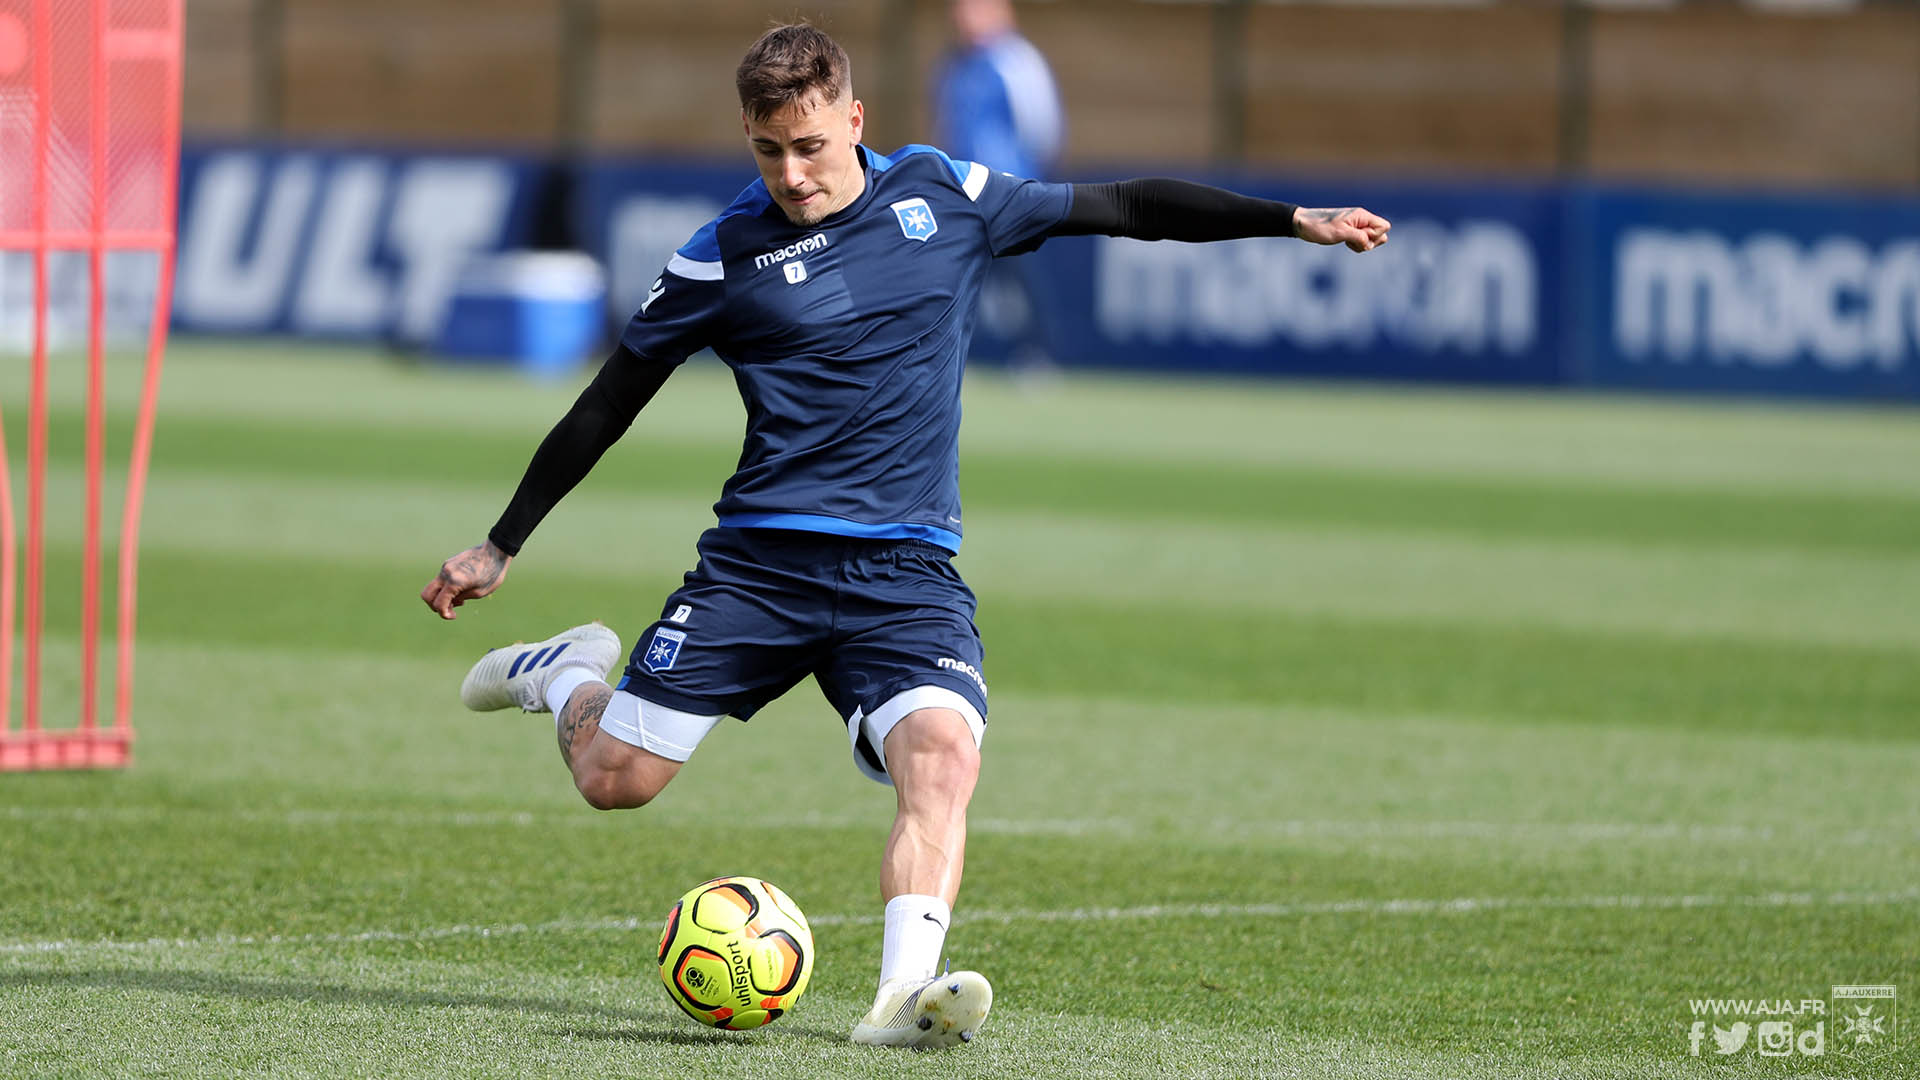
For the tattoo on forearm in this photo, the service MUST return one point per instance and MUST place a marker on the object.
(581, 718)
(481, 565)
(1305, 216)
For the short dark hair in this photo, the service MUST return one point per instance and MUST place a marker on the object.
(789, 63)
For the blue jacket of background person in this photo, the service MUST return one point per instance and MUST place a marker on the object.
(996, 103)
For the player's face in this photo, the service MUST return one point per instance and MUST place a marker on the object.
(806, 156)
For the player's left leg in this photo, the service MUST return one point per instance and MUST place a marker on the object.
(907, 675)
(934, 763)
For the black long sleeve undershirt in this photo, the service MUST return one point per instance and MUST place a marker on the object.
(600, 415)
(1163, 209)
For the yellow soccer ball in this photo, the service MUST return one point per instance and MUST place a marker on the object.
(736, 953)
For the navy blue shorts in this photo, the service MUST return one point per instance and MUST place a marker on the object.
(765, 608)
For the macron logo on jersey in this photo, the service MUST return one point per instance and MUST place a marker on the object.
(798, 247)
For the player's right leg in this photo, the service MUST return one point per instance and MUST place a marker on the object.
(621, 750)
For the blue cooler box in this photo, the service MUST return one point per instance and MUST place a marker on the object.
(542, 311)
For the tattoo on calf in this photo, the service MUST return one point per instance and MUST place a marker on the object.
(581, 717)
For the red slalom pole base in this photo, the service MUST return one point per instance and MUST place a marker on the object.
(66, 750)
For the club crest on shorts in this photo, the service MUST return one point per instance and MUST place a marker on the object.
(916, 219)
(664, 650)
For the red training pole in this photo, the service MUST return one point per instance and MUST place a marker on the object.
(150, 386)
(96, 384)
(37, 393)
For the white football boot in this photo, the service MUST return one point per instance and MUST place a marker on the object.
(518, 674)
(927, 1014)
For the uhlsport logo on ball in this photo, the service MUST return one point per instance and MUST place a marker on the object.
(736, 953)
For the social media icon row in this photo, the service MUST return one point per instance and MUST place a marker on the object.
(1773, 1038)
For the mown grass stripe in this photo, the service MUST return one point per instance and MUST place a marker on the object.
(1410, 907)
(1150, 652)
(1569, 438)
(1812, 597)
(1584, 832)
(1223, 493)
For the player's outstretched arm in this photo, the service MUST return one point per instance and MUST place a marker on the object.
(600, 415)
(1165, 209)
(469, 575)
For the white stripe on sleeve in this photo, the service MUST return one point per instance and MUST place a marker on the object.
(694, 271)
(976, 181)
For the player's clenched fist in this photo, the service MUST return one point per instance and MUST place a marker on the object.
(469, 575)
(1359, 229)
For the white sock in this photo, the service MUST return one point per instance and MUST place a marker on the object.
(564, 683)
(916, 932)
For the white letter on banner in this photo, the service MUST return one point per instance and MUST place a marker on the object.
(1896, 305)
(1226, 302)
(219, 286)
(1766, 333)
(342, 292)
(1320, 312)
(1356, 308)
(447, 210)
(1138, 290)
(1494, 287)
(1662, 283)
(1839, 272)
(1404, 281)
(1474, 288)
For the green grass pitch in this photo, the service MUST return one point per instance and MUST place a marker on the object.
(1337, 732)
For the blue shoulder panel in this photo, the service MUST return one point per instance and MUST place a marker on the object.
(959, 176)
(705, 245)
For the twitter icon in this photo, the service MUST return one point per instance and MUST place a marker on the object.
(1727, 1042)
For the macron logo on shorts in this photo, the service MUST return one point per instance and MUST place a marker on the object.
(971, 672)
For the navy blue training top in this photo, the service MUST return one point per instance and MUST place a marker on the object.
(847, 339)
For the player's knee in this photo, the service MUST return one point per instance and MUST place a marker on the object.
(959, 754)
(933, 749)
(607, 790)
(614, 775)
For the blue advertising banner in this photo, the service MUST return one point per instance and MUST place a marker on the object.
(1491, 283)
(1803, 295)
(339, 244)
(1466, 289)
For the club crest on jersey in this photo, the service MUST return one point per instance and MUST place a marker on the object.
(664, 650)
(916, 219)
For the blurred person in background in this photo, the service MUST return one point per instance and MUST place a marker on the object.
(840, 288)
(994, 97)
(995, 102)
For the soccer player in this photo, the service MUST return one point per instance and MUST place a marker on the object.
(840, 289)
